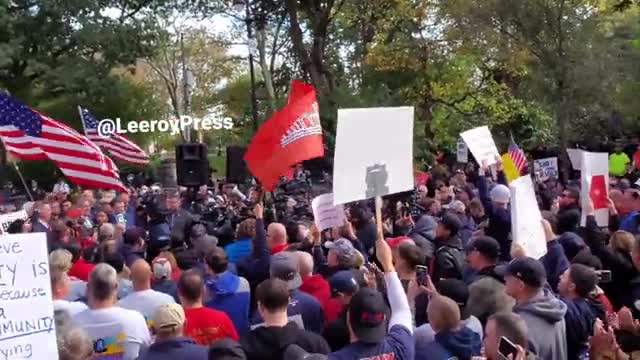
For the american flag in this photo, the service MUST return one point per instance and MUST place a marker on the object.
(29, 135)
(117, 145)
(518, 157)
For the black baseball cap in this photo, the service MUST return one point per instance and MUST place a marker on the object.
(529, 270)
(486, 246)
(368, 315)
(452, 223)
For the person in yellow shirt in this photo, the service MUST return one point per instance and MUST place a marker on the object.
(618, 162)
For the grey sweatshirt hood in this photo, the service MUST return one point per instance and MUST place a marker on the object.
(545, 306)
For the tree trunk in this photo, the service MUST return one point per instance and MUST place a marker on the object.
(307, 63)
(266, 73)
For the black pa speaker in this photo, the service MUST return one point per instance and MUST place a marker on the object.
(192, 165)
(237, 171)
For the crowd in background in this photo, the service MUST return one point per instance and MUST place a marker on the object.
(223, 272)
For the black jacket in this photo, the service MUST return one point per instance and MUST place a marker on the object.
(337, 333)
(620, 264)
(270, 343)
(449, 260)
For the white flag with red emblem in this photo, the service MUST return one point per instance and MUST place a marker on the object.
(595, 182)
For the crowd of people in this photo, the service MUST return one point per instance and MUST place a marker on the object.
(142, 275)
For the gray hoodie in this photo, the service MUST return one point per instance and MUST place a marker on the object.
(423, 234)
(544, 316)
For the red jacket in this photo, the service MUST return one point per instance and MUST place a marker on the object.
(318, 287)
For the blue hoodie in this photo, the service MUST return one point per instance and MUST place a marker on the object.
(579, 320)
(631, 222)
(178, 348)
(461, 344)
(230, 294)
(238, 250)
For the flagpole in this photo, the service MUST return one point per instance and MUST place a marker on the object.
(24, 183)
(84, 128)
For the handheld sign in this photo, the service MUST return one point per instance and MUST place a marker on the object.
(26, 305)
(481, 144)
(325, 214)
(462, 154)
(594, 185)
(545, 169)
(526, 219)
(374, 153)
(7, 219)
(575, 156)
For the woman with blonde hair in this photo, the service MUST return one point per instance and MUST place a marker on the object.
(175, 270)
(622, 241)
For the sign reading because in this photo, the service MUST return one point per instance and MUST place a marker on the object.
(481, 144)
(526, 219)
(27, 326)
(325, 214)
(374, 153)
(545, 169)
(7, 219)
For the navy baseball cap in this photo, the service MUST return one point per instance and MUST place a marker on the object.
(343, 282)
(528, 270)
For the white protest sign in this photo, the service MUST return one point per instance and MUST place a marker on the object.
(374, 153)
(462, 152)
(575, 155)
(526, 220)
(594, 186)
(325, 214)
(7, 219)
(481, 144)
(545, 169)
(26, 305)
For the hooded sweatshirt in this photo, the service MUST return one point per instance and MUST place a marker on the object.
(544, 315)
(231, 295)
(270, 343)
(461, 344)
(581, 314)
(316, 286)
(178, 348)
(423, 234)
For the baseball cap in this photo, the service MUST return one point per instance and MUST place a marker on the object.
(343, 282)
(226, 349)
(530, 271)
(457, 206)
(285, 266)
(168, 316)
(295, 352)
(452, 223)
(368, 315)
(486, 246)
(161, 268)
(343, 249)
(500, 194)
(393, 242)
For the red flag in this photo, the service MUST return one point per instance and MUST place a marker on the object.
(292, 135)
(598, 192)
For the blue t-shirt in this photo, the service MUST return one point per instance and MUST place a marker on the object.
(397, 345)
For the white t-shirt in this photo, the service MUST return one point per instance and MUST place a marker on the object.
(72, 307)
(117, 333)
(145, 302)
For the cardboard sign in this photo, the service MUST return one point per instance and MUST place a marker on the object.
(575, 156)
(462, 153)
(481, 144)
(594, 186)
(7, 219)
(374, 153)
(545, 169)
(526, 220)
(26, 305)
(325, 214)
